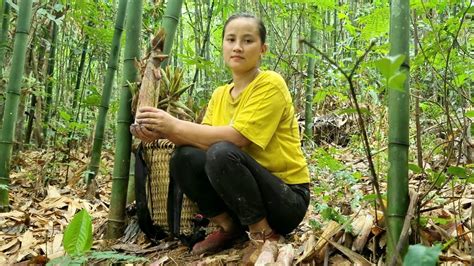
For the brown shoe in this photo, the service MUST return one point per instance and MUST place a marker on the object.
(215, 241)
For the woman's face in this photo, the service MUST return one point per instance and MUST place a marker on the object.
(242, 45)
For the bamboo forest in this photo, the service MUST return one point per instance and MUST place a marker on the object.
(381, 92)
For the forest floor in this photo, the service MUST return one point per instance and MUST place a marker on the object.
(341, 227)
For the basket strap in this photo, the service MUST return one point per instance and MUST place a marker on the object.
(174, 205)
(152, 231)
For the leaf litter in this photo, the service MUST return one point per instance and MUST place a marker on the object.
(44, 202)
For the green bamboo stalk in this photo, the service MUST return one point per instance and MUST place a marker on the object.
(13, 98)
(398, 119)
(170, 23)
(308, 111)
(124, 120)
(106, 92)
(5, 18)
(4, 34)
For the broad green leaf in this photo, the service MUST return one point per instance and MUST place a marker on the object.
(422, 256)
(319, 97)
(78, 234)
(470, 179)
(351, 110)
(457, 171)
(383, 65)
(396, 61)
(92, 100)
(470, 113)
(65, 115)
(414, 168)
(389, 65)
(439, 179)
(439, 220)
(397, 81)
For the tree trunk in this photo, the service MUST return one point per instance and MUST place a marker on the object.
(49, 81)
(398, 119)
(118, 198)
(106, 92)
(80, 70)
(13, 98)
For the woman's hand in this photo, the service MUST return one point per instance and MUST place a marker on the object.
(153, 123)
(141, 132)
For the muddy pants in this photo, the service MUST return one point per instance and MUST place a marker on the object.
(226, 179)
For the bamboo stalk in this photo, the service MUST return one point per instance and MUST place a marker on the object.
(120, 176)
(398, 136)
(13, 99)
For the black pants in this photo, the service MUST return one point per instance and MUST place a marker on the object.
(226, 179)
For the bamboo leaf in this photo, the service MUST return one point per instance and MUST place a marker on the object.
(182, 90)
(78, 234)
(470, 113)
(165, 78)
(422, 256)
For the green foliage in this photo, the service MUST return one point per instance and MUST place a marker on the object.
(389, 67)
(324, 159)
(376, 23)
(78, 234)
(422, 256)
(77, 243)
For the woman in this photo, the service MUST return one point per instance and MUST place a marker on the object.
(243, 165)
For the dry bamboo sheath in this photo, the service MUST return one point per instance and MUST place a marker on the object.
(149, 92)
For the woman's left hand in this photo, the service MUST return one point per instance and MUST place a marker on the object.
(156, 120)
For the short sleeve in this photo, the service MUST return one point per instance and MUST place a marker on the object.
(207, 120)
(261, 113)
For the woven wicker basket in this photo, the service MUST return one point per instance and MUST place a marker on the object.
(157, 156)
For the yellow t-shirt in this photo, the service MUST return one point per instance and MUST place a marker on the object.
(264, 114)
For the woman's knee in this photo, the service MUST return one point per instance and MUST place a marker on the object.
(182, 155)
(220, 151)
(185, 161)
(220, 159)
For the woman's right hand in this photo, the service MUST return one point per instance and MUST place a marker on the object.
(143, 133)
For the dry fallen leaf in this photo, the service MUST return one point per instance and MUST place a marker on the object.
(27, 245)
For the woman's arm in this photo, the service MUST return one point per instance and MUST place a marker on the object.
(156, 123)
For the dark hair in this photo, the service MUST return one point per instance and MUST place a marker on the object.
(261, 27)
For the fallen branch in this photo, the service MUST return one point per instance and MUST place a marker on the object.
(406, 225)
